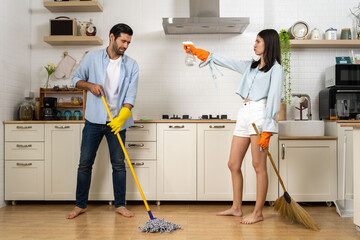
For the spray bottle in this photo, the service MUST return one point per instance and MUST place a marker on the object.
(189, 58)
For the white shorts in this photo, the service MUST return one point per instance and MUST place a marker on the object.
(250, 112)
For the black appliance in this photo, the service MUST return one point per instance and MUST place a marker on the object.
(49, 110)
(342, 75)
(202, 117)
(345, 101)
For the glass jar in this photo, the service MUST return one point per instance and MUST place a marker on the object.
(37, 109)
(26, 110)
(75, 101)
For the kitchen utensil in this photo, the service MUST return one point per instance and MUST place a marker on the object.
(77, 114)
(67, 115)
(344, 207)
(286, 206)
(345, 34)
(330, 34)
(299, 30)
(154, 225)
(315, 34)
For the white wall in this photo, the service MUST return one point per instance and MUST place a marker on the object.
(14, 66)
(166, 85)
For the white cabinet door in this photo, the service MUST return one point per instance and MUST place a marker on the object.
(62, 152)
(345, 148)
(101, 181)
(146, 174)
(308, 169)
(249, 175)
(176, 161)
(214, 177)
(24, 180)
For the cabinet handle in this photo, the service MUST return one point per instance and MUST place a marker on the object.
(135, 145)
(138, 164)
(182, 126)
(23, 145)
(23, 127)
(62, 127)
(282, 151)
(212, 126)
(23, 164)
(137, 126)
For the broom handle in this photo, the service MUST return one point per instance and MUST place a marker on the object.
(127, 159)
(271, 160)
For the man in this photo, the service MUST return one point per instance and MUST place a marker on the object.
(108, 72)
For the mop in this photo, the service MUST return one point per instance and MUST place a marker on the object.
(154, 224)
(286, 206)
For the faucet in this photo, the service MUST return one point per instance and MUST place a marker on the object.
(304, 104)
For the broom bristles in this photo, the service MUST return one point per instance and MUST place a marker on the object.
(295, 212)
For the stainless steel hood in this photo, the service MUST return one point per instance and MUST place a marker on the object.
(204, 19)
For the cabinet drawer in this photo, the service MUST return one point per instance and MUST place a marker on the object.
(141, 132)
(24, 180)
(24, 132)
(24, 150)
(141, 150)
(146, 173)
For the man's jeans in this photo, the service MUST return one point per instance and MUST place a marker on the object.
(91, 138)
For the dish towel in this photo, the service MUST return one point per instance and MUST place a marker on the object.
(65, 67)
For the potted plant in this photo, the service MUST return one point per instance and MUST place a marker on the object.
(285, 49)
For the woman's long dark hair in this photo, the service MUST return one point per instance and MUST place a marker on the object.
(271, 51)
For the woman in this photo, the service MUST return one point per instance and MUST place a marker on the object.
(260, 90)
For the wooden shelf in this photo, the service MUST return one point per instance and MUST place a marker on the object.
(74, 6)
(325, 43)
(73, 40)
(43, 90)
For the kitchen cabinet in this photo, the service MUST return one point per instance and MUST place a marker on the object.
(62, 152)
(344, 153)
(308, 169)
(24, 162)
(249, 175)
(213, 175)
(140, 145)
(176, 161)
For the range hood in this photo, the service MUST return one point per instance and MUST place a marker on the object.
(204, 19)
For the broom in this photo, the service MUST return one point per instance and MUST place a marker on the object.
(286, 206)
(154, 224)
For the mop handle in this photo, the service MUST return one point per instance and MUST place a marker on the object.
(271, 160)
(128, 160)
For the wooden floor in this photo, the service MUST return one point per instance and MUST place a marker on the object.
(39, 220)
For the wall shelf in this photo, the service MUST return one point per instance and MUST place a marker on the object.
(73, 40)
(74, 6)
(325, 43)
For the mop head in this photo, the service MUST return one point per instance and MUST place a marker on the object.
(295, 212)
(159, 225)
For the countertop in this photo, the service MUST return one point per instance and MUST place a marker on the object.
(351, 125)
(136, 121)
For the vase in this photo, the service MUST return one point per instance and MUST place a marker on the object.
(46, 85)
(282, 113)
(356, 29)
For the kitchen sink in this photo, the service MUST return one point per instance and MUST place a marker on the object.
(294, 128)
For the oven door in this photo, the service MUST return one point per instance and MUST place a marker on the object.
(347, 74)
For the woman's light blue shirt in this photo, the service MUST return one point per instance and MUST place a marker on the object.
(255, 85)
(93, 70)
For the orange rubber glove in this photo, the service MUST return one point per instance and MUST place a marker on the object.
(117, 123)
(264, 140)
(201, 54)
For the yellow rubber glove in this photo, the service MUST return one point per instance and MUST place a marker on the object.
(117, 123)
(264, 140)
(201, 54)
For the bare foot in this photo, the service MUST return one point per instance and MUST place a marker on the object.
(252, 218)
(124, 211)
(75, 212)
(230, 212)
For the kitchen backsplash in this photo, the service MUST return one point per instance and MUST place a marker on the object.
(166, 85)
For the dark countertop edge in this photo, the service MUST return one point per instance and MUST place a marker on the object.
(308, 138)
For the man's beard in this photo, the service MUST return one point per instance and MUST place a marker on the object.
(116, 50)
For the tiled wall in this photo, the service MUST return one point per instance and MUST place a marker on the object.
(166, 85)
(14, 66)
